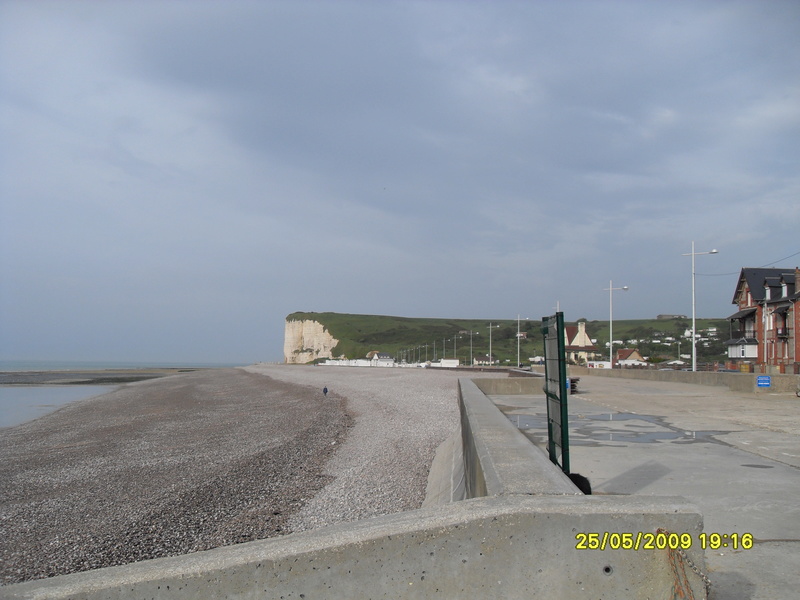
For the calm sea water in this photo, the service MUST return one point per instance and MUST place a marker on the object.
(83, 365)
(21, 403)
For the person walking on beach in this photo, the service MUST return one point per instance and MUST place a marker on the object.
(325, 391)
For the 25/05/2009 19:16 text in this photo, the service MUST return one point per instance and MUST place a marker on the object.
(661, 541)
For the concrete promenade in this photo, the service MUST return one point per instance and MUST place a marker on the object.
(734, 455)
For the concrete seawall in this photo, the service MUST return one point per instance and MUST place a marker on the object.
(498, 460)
(736, 382)
(514, 535)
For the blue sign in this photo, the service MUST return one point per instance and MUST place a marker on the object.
(764, 381)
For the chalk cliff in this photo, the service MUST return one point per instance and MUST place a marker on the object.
(305, 341)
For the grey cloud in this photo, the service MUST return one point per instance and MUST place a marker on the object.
(200, 167)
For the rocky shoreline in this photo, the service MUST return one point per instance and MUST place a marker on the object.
(161, 468)
(209, 458)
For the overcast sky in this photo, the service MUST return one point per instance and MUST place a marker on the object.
(177, 177)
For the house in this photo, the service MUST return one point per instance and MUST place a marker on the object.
(484, 360)
(764, 329)
(578, 347)
(629, 357)
(381, 359)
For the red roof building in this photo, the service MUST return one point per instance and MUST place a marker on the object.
(578, 347)
(764, 329)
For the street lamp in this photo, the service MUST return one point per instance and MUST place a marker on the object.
(491, 326)
(518, 338)
(471, 359)
(694, 305)
(610, 291)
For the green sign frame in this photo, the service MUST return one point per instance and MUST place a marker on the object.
(556, 389)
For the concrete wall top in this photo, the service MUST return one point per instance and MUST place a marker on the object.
(512, 385)
(494, 447)
(510, 547)
(736, 382)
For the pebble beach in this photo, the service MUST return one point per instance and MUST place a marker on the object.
(204, 459)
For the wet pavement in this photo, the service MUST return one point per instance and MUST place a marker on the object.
(737, 457)
(593, 430)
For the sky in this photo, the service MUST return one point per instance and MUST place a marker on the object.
(178, 176)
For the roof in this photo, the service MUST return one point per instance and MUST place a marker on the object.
(626, 353)
(742, 314)
(570, 333)
(755, 279)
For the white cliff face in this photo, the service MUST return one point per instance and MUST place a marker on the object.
(305, 341)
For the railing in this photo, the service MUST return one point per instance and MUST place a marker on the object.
(746, 333)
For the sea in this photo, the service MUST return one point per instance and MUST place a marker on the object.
(22, 403)
(87, 365)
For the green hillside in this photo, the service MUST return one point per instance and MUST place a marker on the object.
(407, 337)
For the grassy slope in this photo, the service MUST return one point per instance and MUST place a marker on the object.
(359, 334)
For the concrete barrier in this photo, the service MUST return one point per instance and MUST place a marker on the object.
(512, 385)
(736, 382)
(498, 459)
(517, 536)
(508, 547)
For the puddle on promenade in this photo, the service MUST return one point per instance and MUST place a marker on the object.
(601, 429)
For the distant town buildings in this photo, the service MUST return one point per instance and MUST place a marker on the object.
(382, 359)
(762, 337)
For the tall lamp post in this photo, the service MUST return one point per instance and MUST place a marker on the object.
(694, 304)
(491, 326)
(518, 338)
(610, 291)
(471, 360)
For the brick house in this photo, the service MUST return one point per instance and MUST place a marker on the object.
(764, 329)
